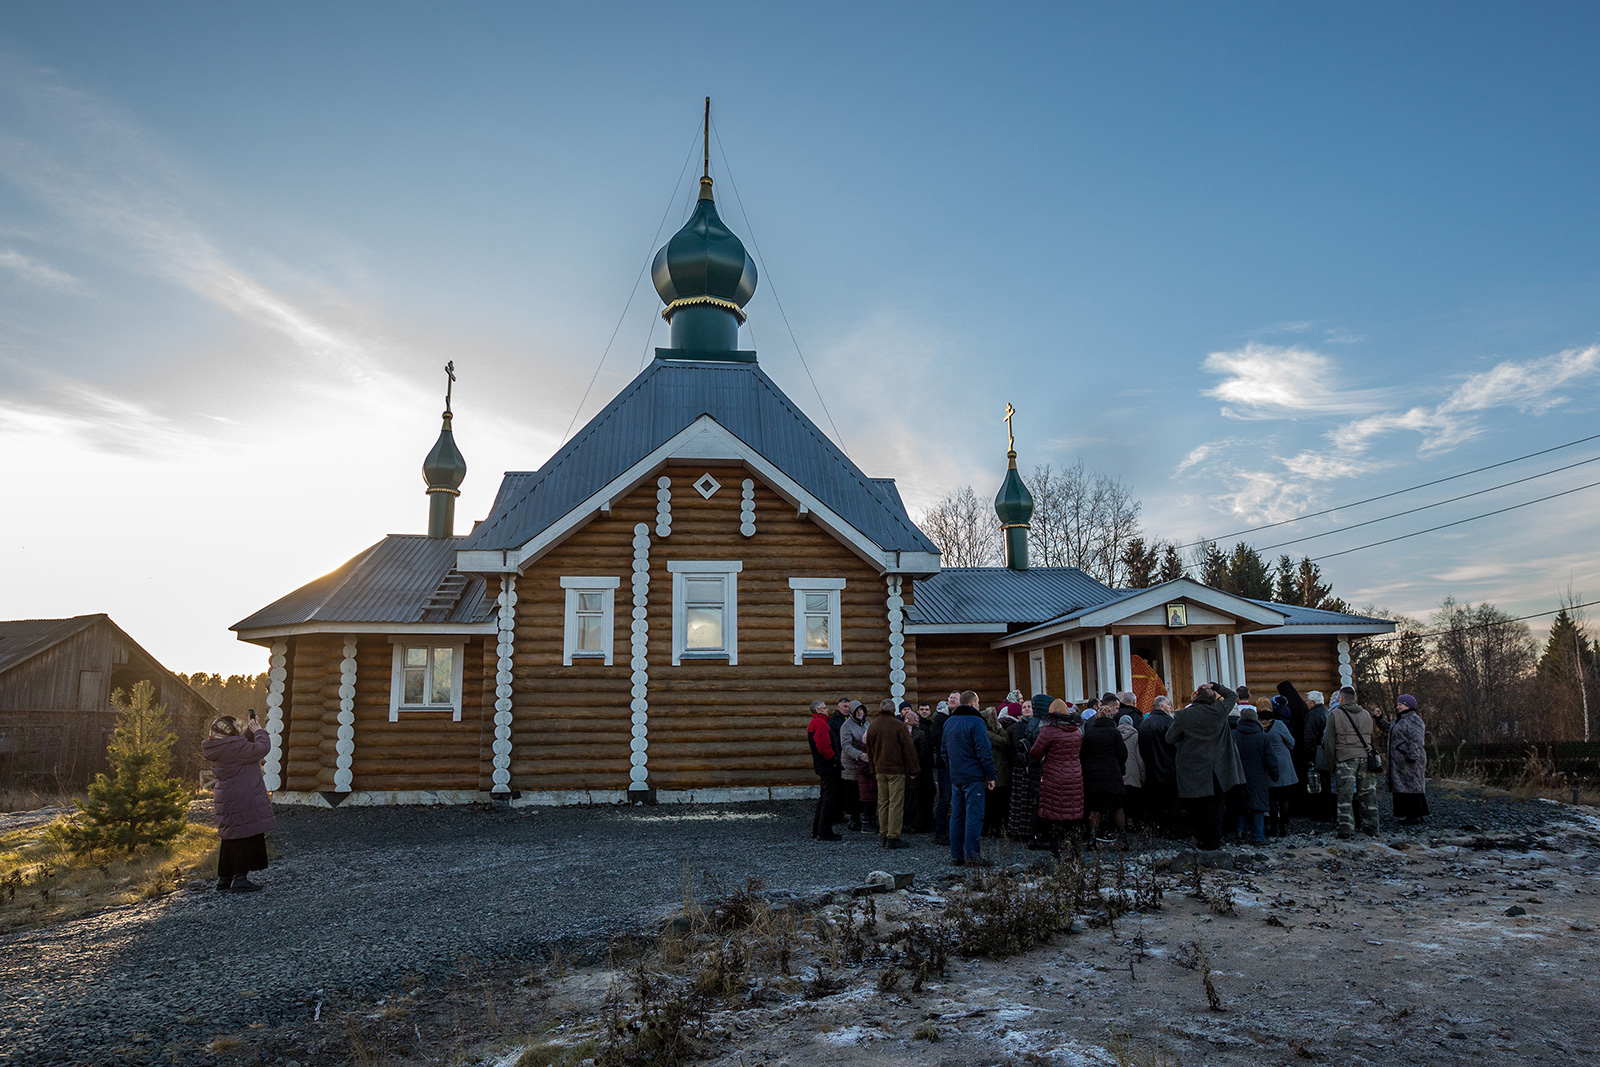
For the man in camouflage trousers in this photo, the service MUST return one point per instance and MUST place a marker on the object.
(1347, 741)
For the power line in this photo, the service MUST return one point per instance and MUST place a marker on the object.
(1482, 625)
(750, 228)
(649, 255)
(1458, 522)
(1397, 492)
(1425, 507)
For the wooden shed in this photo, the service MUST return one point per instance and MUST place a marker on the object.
(56, 681)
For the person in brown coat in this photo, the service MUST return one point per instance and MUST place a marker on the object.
(243, 808)
(1057, 749)
(892, 756)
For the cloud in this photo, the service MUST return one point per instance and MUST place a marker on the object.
(1532, 387)
(1196, 456)
(1272, 382)
(30, 269)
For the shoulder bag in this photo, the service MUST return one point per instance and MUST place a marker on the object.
(1374, 761)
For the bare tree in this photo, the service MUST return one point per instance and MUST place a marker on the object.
(1084, 519)
(966, 529)
(1489, 658)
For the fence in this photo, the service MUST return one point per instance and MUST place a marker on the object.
(1513, 760)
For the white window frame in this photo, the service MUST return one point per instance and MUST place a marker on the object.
(607, 587)
(726, 569)
(397, 674)
(832, 587)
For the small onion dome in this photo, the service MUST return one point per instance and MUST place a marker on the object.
(444, 469)
(704, 263)
(1014, 504)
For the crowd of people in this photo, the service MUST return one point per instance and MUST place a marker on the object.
(1049, 773)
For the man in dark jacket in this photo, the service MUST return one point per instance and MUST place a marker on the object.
(893, 759)
(1208, 762)
(847, 803)
(825, 761)
(1160, 765)
(941, 804)
(1104, 755)
(1128, 704)
(1309, 753)
(922, 793)
(970, 760)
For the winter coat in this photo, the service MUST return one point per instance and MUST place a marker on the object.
(240, 799)
(1207, 761)
(1133, 766)
(852, 748)
(936, 736)
(1298, 711)
(1283, 748)
(1022, 820)
(1259, 761)
(1156, 752)
(824, 757)
(1103, 756)
(966, 747)
(1349, 733)
(1000, 747)
(922, 742)
(889, 747)
(1131, 711)
(1408, 759)
(1061, 773)
(1311, 738)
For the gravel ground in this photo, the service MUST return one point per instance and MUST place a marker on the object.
(363, 897)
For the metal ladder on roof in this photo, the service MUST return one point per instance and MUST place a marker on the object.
(444, 599)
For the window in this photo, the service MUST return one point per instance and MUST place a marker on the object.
(427, 676)
(590, 625)
(705, 617)
(816, 619)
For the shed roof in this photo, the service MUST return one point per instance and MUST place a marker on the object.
(22, 639)
(958, 595)
(667, 397)
(392, 581)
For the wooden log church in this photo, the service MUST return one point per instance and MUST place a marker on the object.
(649, 614)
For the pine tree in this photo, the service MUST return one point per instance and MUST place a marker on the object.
(1287, 589)
(1568, 671)
(1140, 563)
(1312, 590)
(1172, 567)
(1247, 573)
(1212, 566)
(138, 804)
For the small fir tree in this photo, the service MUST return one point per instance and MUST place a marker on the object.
(139, 804)
(1140, 563)
(1247, 574)
(1172, 567)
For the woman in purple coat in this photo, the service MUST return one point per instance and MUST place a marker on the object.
(244, 811)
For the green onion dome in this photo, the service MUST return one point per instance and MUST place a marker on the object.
(704, 263)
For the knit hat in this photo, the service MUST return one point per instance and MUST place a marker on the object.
(905, 705)
(944, 705)
(1280, 707)
(1041, 703)
(1012, 708)
(1249, 713)
(1408, 701)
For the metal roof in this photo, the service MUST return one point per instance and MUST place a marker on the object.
(22, 639)
(667, 397)
(393, 581)
(1298, 616)
(958, 595)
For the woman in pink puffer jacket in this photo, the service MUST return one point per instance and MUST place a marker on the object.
(243, 808)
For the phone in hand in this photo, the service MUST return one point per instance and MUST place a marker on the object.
(252, 714)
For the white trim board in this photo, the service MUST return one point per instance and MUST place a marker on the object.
(703, 439)
(419, 629)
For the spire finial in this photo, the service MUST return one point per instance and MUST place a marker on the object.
(706, 173)
(1011, 438)
(450, 381)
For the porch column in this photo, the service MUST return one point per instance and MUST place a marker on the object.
(505, 662)
(1125, 676)
(1346, 675)
(1108, 663)
(1237, 641)
(1224, 668)
(1072, 663)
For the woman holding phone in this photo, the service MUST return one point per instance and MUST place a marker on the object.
(243, 808)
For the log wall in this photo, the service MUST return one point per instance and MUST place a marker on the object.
(1310, 662)
(711, 724)
(951, 662)
(304, 769)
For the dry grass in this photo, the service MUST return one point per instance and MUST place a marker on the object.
(16, 798)
(42, 883)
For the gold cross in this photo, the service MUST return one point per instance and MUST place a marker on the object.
(450, 373)
(1011, 438)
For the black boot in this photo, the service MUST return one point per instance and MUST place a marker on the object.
(222, 884)
(243, 884)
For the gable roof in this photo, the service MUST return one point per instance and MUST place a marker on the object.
(959, 596)
(393, 581)
(22, 639)
(660, 403)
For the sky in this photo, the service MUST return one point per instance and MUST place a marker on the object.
(1256, 260)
